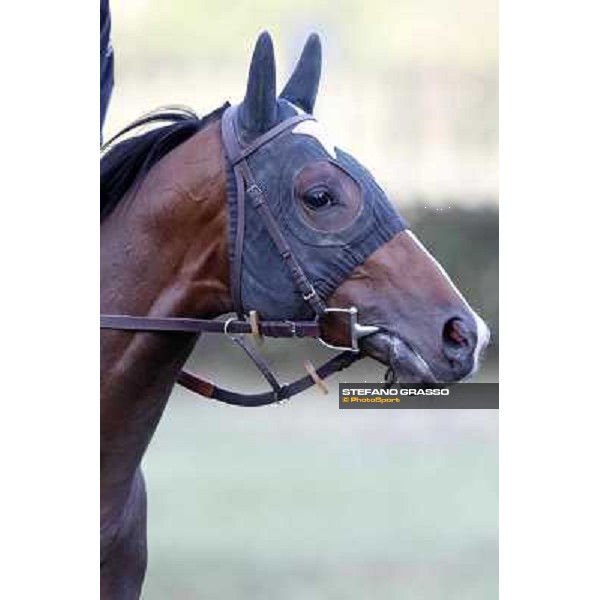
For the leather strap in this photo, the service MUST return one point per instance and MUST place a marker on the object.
(260, 363)
(231, 147)
(238, 159)
(232, 328)
(276, 329)
(241, 154)
(300, 279)
(209, 390)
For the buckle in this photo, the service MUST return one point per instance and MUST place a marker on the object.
(355, 329)
(310, 295)
(292, 325)
(256, 195)
(231, 336)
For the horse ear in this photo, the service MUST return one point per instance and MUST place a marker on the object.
(259, 110)
(303, 85)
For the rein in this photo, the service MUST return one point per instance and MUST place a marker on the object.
(236, 328)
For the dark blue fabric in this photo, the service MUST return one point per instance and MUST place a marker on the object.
(327, 258)
(106, 62)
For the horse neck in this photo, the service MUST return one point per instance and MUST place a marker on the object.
(164, 253)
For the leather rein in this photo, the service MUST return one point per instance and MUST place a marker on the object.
(235, 328)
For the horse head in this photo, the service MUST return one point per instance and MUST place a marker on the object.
(353, 245)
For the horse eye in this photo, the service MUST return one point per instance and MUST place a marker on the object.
(318, 199)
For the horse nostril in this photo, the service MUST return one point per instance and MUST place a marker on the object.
(458, 340)
(455, 333)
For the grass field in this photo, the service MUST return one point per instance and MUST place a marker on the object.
(304, 501)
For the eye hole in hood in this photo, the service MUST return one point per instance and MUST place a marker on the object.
(327, 197)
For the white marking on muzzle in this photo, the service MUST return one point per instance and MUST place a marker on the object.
(483, 332)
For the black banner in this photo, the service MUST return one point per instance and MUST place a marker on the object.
(382, 396)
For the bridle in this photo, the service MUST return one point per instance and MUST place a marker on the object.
(235, 328)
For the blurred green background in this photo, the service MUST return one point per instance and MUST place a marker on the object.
(303, 501)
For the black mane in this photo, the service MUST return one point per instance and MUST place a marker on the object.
(124, 163)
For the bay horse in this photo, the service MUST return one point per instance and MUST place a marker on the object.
(251, 208)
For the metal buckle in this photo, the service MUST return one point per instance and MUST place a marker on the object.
(292, 327)
(356, 330)
(254, 190)
(311, 294)
(256, 195)
(231, 336)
